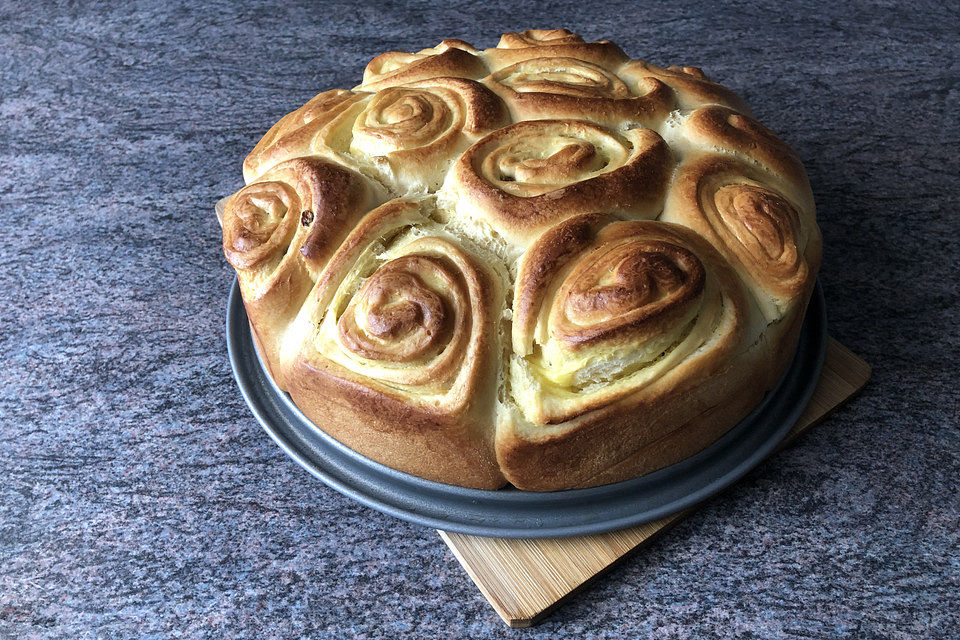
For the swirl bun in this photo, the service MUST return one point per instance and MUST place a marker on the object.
(450, 58)
(563, 76)
(260, 224)
(395, 316)
(542, 263)
(412, 132)
(768, 235)
(524, 177)
(555, 74)
(538, 38)
(744, 137)
(279, 234)
(624, 301)
(614, 322)
(570, 88)
(403, 322)
(413, 310)
(558, 43)
(295, 134)
(691, 86)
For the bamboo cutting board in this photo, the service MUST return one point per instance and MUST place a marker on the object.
(524, 578)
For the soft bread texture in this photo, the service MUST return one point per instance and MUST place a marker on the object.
(543, 264)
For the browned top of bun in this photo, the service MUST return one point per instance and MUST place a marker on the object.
(543, 263)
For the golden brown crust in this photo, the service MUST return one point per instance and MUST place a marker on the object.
(670, 422)
(450, 58)
(404, 136)
(279, 234)
(692, 87)
(559, 87)
(635, 284)
(756, 221)
(294, 135)
(413, 439)
(396, 344)
(523, 178)
(655, 362)
(538, 38)
(740, 135)
(542, 263)
(704, 415)
(412, 132)
(604, 53)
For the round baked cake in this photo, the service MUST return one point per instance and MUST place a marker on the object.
(543, 264)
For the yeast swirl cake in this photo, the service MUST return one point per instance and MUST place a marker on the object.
(543, 263)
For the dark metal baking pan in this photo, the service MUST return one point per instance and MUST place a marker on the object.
(510, 512)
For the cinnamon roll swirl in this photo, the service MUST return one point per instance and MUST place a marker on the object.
(296, 133)
(613, 322)
(690, 84)
(527, 176)
(403, 322)
(410, 134)
(569, 88)
(449, 59)
(751, 217)
(279, 233)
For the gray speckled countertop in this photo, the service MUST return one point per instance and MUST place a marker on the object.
(139, 497)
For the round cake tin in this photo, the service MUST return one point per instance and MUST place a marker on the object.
(510, 512)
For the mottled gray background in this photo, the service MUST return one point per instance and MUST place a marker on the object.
(140, 499)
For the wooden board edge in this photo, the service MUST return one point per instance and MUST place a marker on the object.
(667, 524)
(838, 357)
(863, 371)
(489, 596)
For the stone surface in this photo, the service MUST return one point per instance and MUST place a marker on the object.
(140, 499)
